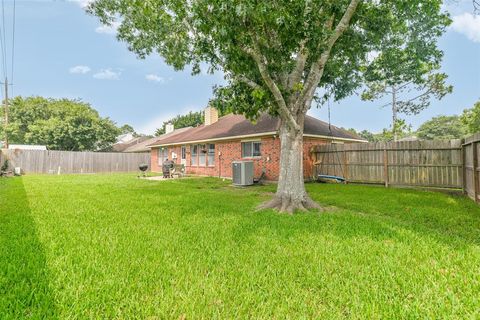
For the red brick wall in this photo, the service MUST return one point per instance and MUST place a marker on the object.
(228, 151)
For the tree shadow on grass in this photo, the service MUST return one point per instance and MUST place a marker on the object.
(24, 285)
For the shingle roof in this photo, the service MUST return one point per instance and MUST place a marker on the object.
(144, 145)
(233, 125)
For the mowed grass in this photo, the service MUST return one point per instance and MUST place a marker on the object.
(117, 247)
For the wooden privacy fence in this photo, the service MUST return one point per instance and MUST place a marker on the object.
(412, 163)
(40, 161)
(471, 153)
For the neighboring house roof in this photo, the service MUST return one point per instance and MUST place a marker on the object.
(409, 138)
(125, 138)
(26, 147)
(120, 147)
(237, 126)
(143, 146)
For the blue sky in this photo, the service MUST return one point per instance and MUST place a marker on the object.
(61, 51)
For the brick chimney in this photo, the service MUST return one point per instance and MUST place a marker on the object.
(211, 115)
(169, 127)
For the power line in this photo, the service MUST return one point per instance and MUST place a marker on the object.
(3, 45)
(4, 40)
(13, 42)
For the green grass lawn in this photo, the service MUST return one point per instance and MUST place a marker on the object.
(114, 246)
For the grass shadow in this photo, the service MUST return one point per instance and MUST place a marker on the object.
(24, 285)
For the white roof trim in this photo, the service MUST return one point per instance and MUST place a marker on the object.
(271, 133)
(333, 138)
(246, 136)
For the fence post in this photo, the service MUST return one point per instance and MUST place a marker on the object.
(464, 167)
(385, 166)
(475, 170)
(345, 164)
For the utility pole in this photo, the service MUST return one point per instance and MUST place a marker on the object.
(6, 113)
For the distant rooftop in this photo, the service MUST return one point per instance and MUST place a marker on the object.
(26, 147)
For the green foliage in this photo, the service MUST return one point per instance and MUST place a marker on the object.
(4, 167)
(442, 128)
(402, 130)
(229, 35)
(118, 247)
(406, 68)
(126, 128)
(61, 124)
(471, 118)
(367, 135)
(191, 119)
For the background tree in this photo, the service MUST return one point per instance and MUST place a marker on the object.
(441, 128)
(60, 124)
(407, 70)
(191, 119)
(400, 130)
(277, 56)
(471, 118)
(126, 128)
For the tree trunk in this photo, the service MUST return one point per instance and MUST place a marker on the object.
(291, 194)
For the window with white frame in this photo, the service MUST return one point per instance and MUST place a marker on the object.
(183, 152)
(162, 155)
(194, 155)
(251, 149)
(211, 154)
(202, 155)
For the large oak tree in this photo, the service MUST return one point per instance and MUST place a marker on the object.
(277, 56)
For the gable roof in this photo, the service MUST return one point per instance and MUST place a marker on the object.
(237, 126)
(143, 146)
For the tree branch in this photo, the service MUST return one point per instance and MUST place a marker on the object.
(297, 72)
(277, 94)
(316, 71)
(252, 84)
(302, 55)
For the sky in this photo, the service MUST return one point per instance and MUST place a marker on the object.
(60, 51)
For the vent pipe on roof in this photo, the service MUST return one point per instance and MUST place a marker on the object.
(211, 115)
(169, 127)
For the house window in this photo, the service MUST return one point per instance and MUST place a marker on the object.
(202, 155)
(194, 155)
(251, 149)
(183, 153)
(162, 155)
(211, 154)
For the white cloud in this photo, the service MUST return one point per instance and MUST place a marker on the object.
(79, 69)
(154, 78)
(107, 74)
(468, 25)
(111, 29)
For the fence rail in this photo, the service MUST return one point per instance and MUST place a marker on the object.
(412, 163)
(40, 161)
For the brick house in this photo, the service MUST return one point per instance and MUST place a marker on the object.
(209, 149)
